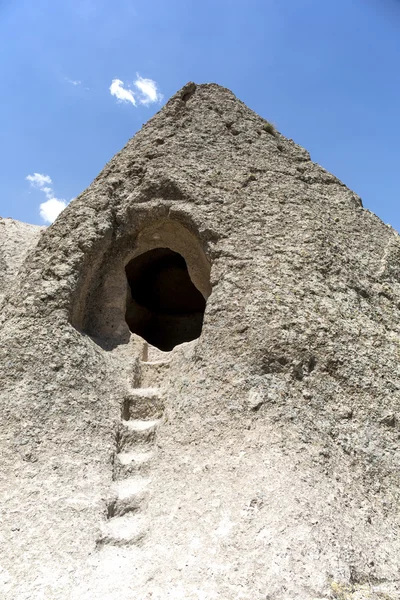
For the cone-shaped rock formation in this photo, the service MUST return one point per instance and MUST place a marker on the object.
(257, 459)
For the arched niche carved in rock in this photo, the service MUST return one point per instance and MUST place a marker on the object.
(154, 284)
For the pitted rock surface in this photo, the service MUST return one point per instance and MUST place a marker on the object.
(270, 444)
(16, 239)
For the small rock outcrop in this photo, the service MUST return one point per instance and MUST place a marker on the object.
(16, 239)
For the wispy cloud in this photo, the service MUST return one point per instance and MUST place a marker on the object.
(50, 209)
(147, 91)
(39, 181)
(122, 94)
(73, 81)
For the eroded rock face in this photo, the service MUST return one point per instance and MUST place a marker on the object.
(259, 461)
(16, 239)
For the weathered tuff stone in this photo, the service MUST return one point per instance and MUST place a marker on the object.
(16, 239)
(273, 472)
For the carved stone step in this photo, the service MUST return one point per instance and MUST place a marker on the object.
(127, 530)
(136, 432)
(129, 495)
(155, 362)
(131, 463)
(154, 372)
(143, 403)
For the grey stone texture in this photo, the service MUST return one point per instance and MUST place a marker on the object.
(259, 461)
(16, 239)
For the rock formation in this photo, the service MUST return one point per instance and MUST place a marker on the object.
(199, 379)
(16, 239)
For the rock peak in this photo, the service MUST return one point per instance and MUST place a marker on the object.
(199, 391)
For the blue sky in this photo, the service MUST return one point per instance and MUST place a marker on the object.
(326, 73)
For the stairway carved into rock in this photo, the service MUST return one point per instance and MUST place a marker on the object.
(141, 413)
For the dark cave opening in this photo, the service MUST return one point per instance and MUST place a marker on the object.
(165, 307)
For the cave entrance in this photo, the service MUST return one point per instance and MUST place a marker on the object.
(164, 306)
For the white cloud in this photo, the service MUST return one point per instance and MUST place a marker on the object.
(50, 209)
(38, 180)
(122, 94)
(148, 90)
(48, 191)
